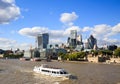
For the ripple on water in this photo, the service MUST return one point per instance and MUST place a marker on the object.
(48, 79)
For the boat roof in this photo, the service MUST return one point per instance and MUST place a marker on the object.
(47, 67)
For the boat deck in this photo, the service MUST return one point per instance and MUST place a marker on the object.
(47, 66)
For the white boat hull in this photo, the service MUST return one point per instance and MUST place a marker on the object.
(54, 72)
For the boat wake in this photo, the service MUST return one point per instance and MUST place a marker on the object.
(45, 79)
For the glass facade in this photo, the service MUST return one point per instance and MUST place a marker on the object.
(45, 40)
(92, 42)
(73, 34)
(74, 40)
(42, 40)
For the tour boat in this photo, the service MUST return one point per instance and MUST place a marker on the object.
(52, 71)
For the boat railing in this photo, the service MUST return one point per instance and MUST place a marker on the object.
(46, 66)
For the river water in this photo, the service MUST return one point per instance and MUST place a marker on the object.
(13, 71)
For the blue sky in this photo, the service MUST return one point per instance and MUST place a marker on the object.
(22, 20)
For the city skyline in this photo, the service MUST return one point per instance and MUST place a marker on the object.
(20, 23)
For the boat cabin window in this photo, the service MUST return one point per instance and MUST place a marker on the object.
(54, 72)
(63, 72)
(45, 70)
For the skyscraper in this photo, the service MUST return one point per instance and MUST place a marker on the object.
(79, 40)
(92, 42)
(86, 44)
(74, 40)
(73, 34)
(42, 40)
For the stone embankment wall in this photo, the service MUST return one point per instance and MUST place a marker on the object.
(1, 55)
(115, 60)
(96, 59)
(92, 59)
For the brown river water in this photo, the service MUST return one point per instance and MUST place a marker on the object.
(13, 71)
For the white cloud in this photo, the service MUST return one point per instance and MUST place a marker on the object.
(22, 46)
(56, 41)
(68, 17)
(9, 1)
(56, 33)
(6, 41)
(101, 31)
(8, 11)
(116, 28)
(8, 44)
(32, 32)
(85, 29)
(110, 40)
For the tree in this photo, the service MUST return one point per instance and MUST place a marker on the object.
(94, 52)
(117, 52)
(73, 56)
(76, 56)
(62, 55)
(81, 55)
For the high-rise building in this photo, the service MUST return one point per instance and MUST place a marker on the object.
(79, 40)
(92, 42)
(74, 40)
(42, 40)
(73, 34)
(73, 43)
(86, 44)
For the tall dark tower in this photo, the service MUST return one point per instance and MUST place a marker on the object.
(92, 42)
(42, 40)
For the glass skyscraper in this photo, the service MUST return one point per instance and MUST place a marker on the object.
(74, 40)
(73, 34)
(42, 40)
(92, 42)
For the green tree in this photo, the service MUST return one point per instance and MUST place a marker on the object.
(81, 54)
(77, 56)
(94, 52)
(72, 56)
(62, 55)
(117, 52)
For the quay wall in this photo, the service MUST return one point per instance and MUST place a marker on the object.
(93, 59)
(116, 60)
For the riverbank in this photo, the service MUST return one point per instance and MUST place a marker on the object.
(86, 62)
(14, 71)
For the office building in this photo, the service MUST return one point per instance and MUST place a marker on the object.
(73, 34)
(79, 40)
(86, 44)
(42, 40)
(74, 39)
(92, 42)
